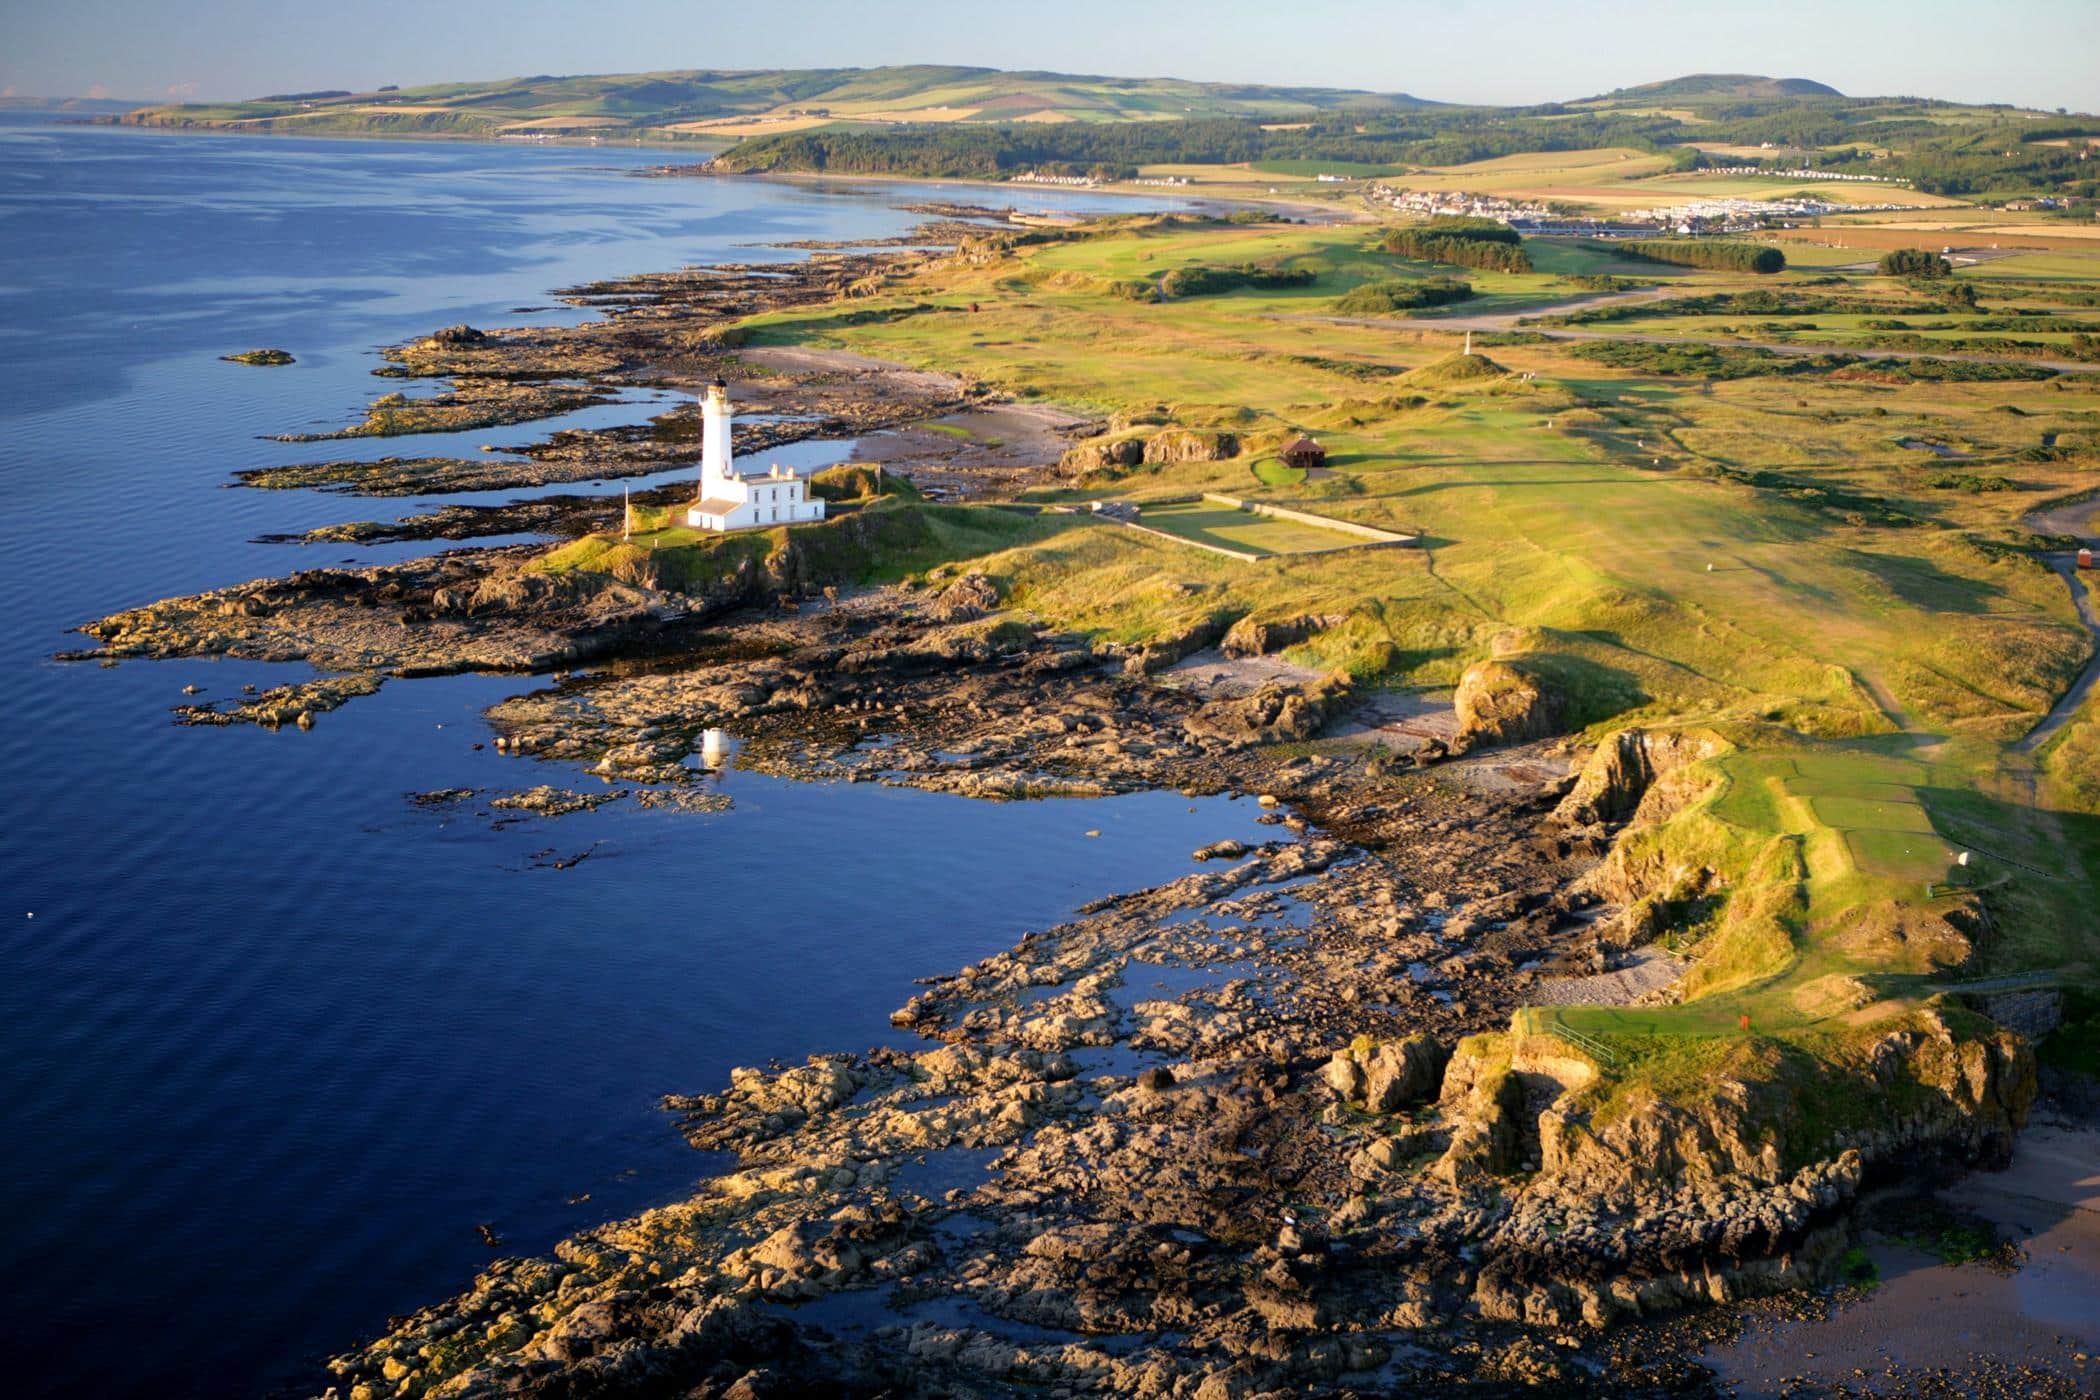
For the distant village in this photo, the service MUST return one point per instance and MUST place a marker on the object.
(1725, 215)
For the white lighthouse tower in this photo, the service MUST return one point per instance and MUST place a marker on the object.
(730, 501)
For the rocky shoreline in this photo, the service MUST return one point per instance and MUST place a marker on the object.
(1240, 1133)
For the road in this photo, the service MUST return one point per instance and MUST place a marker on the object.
(2068, 518)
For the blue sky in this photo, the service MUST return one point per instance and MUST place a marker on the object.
(2033, 52)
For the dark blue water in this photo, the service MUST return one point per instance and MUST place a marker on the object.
(275, 1039)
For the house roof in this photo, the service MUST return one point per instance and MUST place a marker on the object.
(719, 507)
(1303, 444)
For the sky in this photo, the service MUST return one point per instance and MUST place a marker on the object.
(2042, 53)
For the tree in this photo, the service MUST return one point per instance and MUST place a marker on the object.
(1914, 262)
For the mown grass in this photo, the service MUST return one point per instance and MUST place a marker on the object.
(1238, 529)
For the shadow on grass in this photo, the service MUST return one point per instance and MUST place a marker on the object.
(1924, 584)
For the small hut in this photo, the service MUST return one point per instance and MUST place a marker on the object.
(1303, 453)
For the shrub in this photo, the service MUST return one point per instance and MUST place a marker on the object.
(1914, 262)
(1383, 298)
(1198, 280)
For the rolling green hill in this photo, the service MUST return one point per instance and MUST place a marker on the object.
(984, 123)
(718, 103)
(1711, 87)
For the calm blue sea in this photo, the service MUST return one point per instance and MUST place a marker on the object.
(275, 1040)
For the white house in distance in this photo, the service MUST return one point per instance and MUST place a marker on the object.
(730, 501)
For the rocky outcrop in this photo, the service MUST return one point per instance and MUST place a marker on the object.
(1507, 702)
(1278, 713)
(968, 597)
(437, 616)
(1161, 652)
(1622, 771)
(1381, 1078)
(1264, 636)
(1100, 455)
(1190, 445)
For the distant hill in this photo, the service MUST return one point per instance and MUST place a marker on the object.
(1694, 87)
(74, 106)
(987, 124)
(710, 103)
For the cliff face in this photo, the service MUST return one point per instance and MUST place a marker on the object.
(1635, 1202)
(1622, 780)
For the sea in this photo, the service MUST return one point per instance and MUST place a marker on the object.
(275, 1039)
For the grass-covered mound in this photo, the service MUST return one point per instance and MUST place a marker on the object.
(888, 540)
(859, 481)
(1455, 369)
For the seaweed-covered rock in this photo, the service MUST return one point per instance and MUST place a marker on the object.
(1275, 714)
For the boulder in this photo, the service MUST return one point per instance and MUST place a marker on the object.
(970, 596)
(1404, 1072)
(1507, 702)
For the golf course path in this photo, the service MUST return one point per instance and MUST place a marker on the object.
(2082, 595)
(2069, 518)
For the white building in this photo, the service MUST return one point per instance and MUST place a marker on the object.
(731, 501)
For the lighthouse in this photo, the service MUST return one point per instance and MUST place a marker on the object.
(715, 451)
(728, 500)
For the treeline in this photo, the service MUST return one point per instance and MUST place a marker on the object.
(1384, 298)
(1711, 254)
(1116, 149)
(1978, 157)
(1480, 243)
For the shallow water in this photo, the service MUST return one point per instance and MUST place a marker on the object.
(276, 1039)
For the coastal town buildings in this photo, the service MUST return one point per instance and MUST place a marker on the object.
(729, 500)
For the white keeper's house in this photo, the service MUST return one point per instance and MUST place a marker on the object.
(731, 501)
